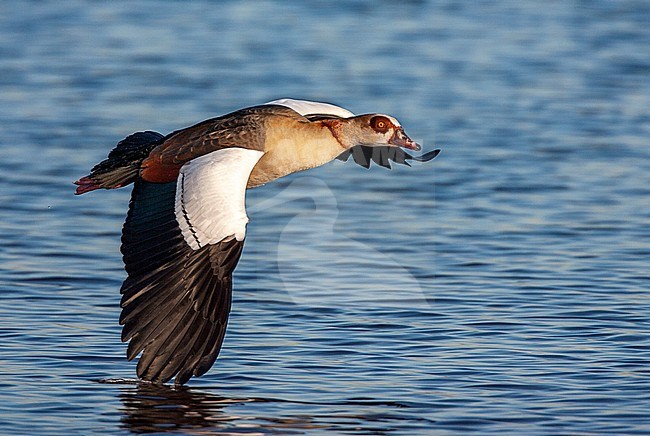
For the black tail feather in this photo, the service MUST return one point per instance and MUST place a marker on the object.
(122, 165)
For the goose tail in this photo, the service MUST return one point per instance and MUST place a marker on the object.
(122, 165)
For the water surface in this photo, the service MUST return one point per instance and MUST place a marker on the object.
(502, 287)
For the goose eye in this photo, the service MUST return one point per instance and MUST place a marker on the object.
(379, 124)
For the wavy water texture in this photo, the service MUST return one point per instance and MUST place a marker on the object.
(500, 288)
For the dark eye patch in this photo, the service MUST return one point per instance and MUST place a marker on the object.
(380, 124)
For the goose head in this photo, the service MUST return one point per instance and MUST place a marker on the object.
(373, 130)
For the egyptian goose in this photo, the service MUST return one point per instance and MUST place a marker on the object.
(186, 224)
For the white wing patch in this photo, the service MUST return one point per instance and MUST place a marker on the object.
(306, 107)
(210, 196)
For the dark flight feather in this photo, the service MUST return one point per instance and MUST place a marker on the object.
(175, 300)
(383, 155)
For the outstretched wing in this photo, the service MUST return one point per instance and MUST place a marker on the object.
(306, 107)
(383, 155)
(181, 242)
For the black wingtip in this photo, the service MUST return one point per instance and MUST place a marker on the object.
(426, 157)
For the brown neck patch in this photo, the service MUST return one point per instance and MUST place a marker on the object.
(334, 127)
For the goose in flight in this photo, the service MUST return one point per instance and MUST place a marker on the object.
(186, 224)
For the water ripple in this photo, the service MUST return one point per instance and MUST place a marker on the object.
(502, 287)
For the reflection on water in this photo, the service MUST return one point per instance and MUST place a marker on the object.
(149, 408)
(154, 408)
(501, 288)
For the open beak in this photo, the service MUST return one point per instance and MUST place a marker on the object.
(400, 139)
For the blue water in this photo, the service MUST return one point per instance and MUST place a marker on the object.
(502, 288)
